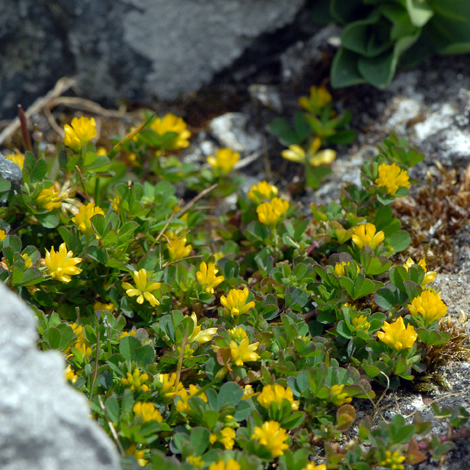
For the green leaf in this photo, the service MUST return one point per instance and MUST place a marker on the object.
(230, 393)
(127, 346)
(281, 129)
(345, 71)
(48, 220)
(386, 298)
(112, 409)
(419, 11)
(199, 439)
(52, 337)
(39, 171)
(294, 421)
(144, 355)
(211, 417)
(4, 185)
(412, 289)
(346, 11)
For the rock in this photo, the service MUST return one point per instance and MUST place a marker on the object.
(127, 49)
(9, 170)
(45, 422)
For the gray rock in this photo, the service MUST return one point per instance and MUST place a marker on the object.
(9, 170)
(45, 422)
(127, 49)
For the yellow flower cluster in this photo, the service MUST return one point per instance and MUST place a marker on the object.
(393, 460)
(237, 334)
(397, 336)
(270, 213)
(3, 235)
(339, 268)
(70, 374)
(206, 276)
(364, 235)
(392, 177)
(361, 323)
(224, 160)
(83, 219)
(177, 247)
(428, 277)
(221, 465)
(248, 392)
(429, 305)
(182, 405)
(235, 302)
(101, 306)
(51, 198)
(276, 394)
(62, 265)
(172, 123)
(143, 288)
(81, 344)
(226, 437)
(319, 98)
(312, 466)
(136, 381)
(79, 133)
(314, 156)
(272, 436)
(138, 455)
(196, 461)
(338, 397)
(262, 191)
(169, 385)
(147, 412)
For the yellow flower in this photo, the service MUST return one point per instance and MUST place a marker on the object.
(224, 160)
(248, 392)
(172, 123)
(206, 276)
(196, 460)
(115, 203)
(361, 323)
(237, 334)
(393, 461)
(270, 213)
(319, 98)
(70, 374)
(272, 436)
(28, 262)
(364, 235)
(198, 335)
(143, 288)
(428, 276)
(261, 191)
(100, 306)
(83, 219)
(276, 394)
(228, 438)
(297, 154)
(81, 344)
(429, 305)
(127, 333)
(17, 158)
(182, 405)
(138, 454)
(147, 412)
(169, 385)
(177, 247)
(51, 198)
(312, 466)
(101, 151)
(397, 336)
(339, 268)
(221, 465)
(3, 235)
(80, 133)
(136, 381)
(392, 177)
(245, 352)
(338, 397)
(62, 265)
(235, 302)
